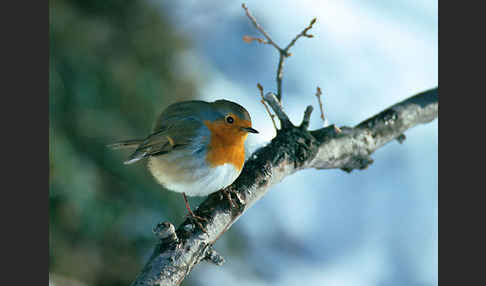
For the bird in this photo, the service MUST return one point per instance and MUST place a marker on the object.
(195, 147)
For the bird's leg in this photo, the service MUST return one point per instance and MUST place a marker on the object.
(192, 215)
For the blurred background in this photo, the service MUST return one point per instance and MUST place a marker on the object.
(114, 65)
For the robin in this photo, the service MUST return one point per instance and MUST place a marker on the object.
(196, 147)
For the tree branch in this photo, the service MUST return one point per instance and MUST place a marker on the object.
(293, 149)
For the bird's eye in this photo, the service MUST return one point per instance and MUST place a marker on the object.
(230, 119)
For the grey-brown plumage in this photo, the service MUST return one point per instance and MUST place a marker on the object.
(178, 125)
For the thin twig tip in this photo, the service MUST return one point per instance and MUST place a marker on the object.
(318, 95)
(247, 39)
(260, 87)
(272, 116)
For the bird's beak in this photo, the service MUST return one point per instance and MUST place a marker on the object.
(249, 129)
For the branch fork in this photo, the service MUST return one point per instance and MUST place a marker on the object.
(283, 52)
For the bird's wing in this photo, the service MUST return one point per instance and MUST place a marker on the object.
(170, 135)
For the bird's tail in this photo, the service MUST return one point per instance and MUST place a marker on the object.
(128, 144)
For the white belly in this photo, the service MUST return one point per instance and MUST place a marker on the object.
(191, 175)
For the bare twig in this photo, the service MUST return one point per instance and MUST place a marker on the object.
(283, 53)
(272, 116)
(302, 34)
(318, 95)
(278, 109)
(307, 114)
(250, 39)
(259, 28)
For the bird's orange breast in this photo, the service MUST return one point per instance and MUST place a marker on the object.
(227, 145)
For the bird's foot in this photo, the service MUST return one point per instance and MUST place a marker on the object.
(226, 192)
(197, 220)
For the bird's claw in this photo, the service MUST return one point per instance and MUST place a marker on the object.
(227, 193)
(197, 219)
